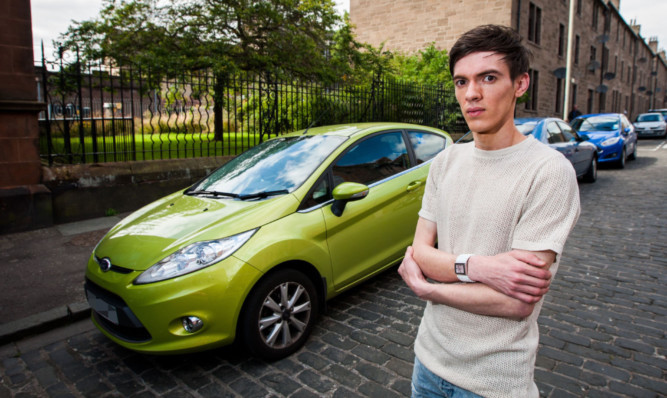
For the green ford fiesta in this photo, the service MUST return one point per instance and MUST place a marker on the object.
(253, 250)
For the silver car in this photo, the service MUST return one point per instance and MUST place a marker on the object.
(650, 125)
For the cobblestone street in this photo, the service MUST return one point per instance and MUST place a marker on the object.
(602, 326)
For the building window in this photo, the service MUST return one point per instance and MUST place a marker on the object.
(589, 103)
(622, 70)
(559, 95)
(531, 104)
(534, 23)
(561, 39)
(603, 100)
(573, 96)
(579, 7)
(595, 17)
(593, 53)
(576, 50)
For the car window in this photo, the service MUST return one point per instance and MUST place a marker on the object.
(426, 145)
(649, 118)
(555, 135)
(281, 164)
(568, 133)
(526, 128)
(320, 193)
(625, 122)
(596, 123)
(373, 159)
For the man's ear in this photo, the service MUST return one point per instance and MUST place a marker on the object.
(521, 85)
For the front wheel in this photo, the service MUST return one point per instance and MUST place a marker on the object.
(621, 161)
(279, 314)
(592, 173)
(633, 155)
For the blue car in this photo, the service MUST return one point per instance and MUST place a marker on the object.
(612, 133)
(560, 136)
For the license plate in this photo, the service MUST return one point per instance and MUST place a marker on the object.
(103, 309)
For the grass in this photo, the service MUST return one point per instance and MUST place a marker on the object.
(146, 146)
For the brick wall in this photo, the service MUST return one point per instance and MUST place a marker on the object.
(411, 25)
(19, 157)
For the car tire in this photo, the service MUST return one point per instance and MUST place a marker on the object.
(620, 163)
(592, 173)
(279, 314)
(633, 155)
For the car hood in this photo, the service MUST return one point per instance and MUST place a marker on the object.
(645, 125)
(171, 223)
(598, 136)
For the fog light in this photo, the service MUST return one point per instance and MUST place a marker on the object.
(192, 324)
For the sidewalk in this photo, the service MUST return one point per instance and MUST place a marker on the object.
(41, 283)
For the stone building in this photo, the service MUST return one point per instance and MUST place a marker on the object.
(614, 68)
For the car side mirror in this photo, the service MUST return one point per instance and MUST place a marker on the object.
(584, 137)
(347, 192)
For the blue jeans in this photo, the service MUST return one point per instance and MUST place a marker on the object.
(426, 384)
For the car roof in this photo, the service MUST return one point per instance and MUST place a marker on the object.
(598, 114)
(351, 129)
(522, 120)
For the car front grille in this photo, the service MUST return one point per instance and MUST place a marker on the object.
(113, 314)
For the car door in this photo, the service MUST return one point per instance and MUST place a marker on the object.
(557, 141)
(373, 232)
(581, 156)
(629, 133)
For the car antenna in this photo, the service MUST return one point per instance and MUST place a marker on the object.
(317, 119)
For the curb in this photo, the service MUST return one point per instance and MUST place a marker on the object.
(42, 322)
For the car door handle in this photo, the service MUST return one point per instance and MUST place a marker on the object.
(414, 185)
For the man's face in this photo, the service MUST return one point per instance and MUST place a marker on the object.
(486, 92)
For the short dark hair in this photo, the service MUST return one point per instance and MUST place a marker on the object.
(494, 38)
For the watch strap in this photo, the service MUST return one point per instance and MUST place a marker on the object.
(462, 264)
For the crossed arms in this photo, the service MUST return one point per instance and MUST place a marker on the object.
(509, 283)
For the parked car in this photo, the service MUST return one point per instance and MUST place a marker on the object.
(612, 133)
(253, 250)
(560, 136)
(650, 125)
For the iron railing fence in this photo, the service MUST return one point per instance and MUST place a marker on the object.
(104, 113)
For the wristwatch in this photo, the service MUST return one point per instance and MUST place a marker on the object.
(461, 267)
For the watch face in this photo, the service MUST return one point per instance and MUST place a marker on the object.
(460, 268)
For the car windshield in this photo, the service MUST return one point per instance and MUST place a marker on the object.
(596, 123)
(273, 167)
(649, 118)
(526, 128)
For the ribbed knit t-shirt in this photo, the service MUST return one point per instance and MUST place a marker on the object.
(489, 202)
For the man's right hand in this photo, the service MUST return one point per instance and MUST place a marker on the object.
(521, 274)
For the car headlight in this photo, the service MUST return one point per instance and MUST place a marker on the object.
(610, 141)
(193, 257)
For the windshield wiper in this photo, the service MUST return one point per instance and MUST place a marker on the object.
(214, 193)
(262, 194)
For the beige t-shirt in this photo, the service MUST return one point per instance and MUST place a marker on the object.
(489, 202)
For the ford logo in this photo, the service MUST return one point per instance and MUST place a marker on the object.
(105, 264)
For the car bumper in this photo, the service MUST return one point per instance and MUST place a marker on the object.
(610, 153)
(650, 133)
(148, 318)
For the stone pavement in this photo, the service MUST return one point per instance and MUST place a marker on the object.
(602, 326)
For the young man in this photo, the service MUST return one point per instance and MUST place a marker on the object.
(500, 209)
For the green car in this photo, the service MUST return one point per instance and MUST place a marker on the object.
(255, 249)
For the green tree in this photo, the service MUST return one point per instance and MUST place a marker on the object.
(305, 39)
(428, 67)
